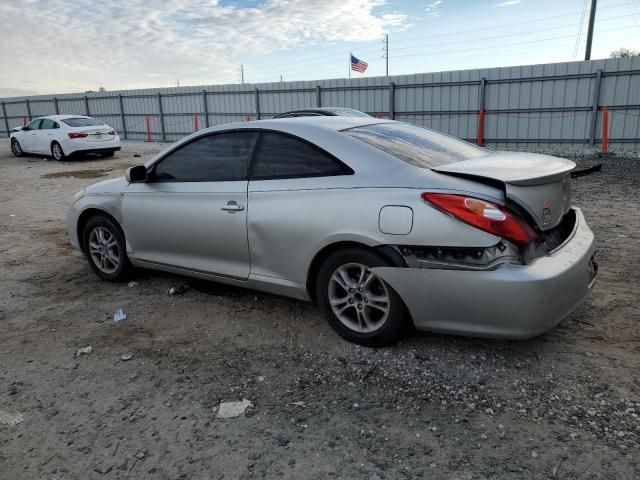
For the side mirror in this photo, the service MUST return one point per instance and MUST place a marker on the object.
(136, 174)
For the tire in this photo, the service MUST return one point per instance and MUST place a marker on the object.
(57, 153)
(107, 154)
(360, 319)
(16, 148)
(103, 243)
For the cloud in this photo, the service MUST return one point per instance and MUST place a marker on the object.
(508, 3)
(433, 9)
(136, 43)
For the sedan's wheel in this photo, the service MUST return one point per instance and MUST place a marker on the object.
(16, 148)
(358, 304)
(105, 248)
(57, 152)
(359, 298)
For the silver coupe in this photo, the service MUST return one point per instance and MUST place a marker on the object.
(379, 222)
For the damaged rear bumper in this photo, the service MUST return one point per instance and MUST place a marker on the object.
(512, 301)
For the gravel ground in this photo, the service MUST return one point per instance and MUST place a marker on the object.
(563, 405)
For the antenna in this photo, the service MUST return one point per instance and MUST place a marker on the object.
(241, 73)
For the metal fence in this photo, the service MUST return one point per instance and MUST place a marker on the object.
(557, 103)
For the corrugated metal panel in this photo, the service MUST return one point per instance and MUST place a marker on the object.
(528, 104)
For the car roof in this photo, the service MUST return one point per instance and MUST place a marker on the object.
(62, 117)
(336, 122)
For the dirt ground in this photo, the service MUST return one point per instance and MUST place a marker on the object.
(564, 405)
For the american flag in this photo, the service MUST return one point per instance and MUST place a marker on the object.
(358, 65)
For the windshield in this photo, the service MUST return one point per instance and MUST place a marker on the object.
(82, 122)
(416, 145)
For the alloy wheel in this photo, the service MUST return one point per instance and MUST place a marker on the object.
(359, 298)
(104, 250)
(57, 151)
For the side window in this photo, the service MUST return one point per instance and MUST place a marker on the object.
(214, 158)
(282, 156)
(46, 124)
(34, 125)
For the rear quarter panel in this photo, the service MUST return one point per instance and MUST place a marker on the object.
(290, 221)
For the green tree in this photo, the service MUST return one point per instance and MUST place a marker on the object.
(624, 53)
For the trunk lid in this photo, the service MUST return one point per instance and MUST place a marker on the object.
(95, 133)
(540, 184)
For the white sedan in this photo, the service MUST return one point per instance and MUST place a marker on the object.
(64, 135)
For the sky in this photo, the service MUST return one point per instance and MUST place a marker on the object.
(61, 46)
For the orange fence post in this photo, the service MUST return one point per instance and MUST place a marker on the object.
(605, 130)
(480, 136)
(378, 115)
(148, 129)
(24, 121)
(195, 122)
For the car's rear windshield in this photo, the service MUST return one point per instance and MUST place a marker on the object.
(416, 145)
(347, 112)
(82, 122)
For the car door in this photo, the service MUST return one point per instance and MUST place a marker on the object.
(297, 197)
(191, 213)
(29, 136)
(44, 136)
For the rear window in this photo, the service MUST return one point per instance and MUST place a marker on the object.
(416, 145)
(82, 122)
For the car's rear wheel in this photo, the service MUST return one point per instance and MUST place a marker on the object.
(105, 248)
(16, 149)
(107, 154)
(358, 304)
(57, 152)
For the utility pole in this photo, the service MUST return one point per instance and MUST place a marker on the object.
(349, 64)
(241, 73)
(177, 82)
(592, 20)
(385, 50)
(280, 78)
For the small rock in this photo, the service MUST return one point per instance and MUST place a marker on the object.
(140, 455)
(534, 454)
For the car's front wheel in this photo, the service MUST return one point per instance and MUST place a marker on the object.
(57, 152)
(16, 149)
(105, 248)
(358, 304)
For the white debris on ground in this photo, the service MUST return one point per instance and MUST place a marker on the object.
(119, 316)
(233, 409)
(84, 351)
(10, 419)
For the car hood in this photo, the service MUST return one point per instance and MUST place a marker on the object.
(115, 185)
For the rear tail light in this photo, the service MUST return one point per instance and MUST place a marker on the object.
(484, 215)
(78, 135)
(112, 132)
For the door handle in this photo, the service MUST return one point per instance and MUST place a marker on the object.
(232, 207)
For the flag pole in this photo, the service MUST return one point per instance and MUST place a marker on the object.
(349, 65)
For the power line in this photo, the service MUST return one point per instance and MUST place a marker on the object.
(493, 27)
(507, 35)
(516, 43)
(584, 12)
